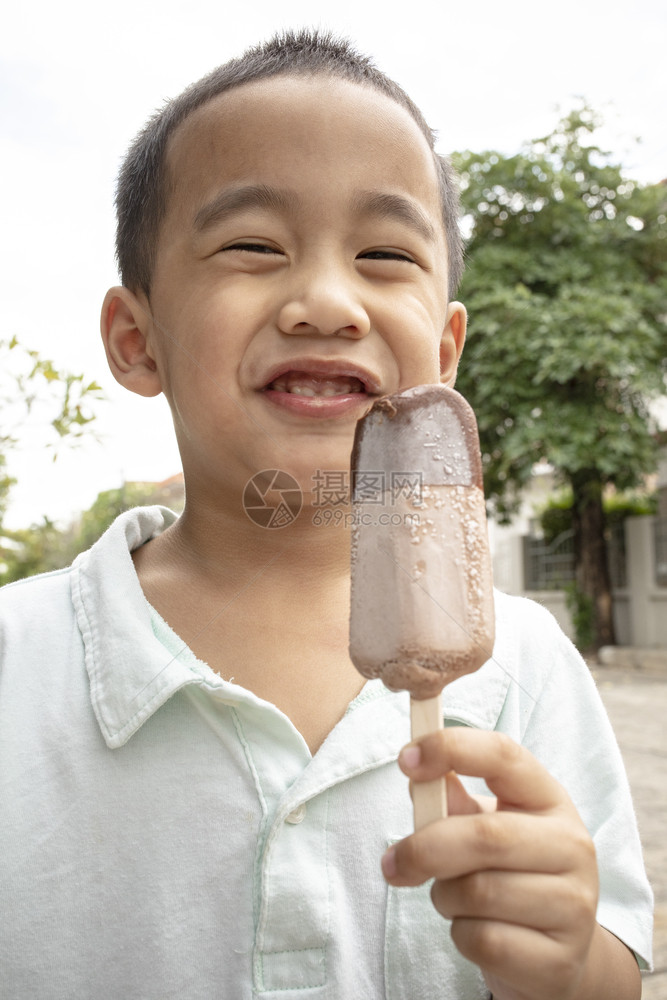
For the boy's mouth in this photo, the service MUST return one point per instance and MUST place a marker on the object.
(308, 384)
(320, 388)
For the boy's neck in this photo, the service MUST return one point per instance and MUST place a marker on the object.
(266, 607)
(220, 548)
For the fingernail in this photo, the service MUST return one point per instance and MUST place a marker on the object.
(389, 863)
(410, 757)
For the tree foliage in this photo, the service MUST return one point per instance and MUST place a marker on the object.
(556, 516)
(33, 387)
(46, 546)
(566, 289)
(60, 404)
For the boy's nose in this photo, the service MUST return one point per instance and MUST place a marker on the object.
(325, 307)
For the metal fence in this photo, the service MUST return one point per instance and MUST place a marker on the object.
(548, 567)
(551, 567)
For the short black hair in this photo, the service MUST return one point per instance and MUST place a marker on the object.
(143, 188)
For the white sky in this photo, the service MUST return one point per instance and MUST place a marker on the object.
(77, 81)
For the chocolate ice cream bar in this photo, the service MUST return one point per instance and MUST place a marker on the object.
(422, 590)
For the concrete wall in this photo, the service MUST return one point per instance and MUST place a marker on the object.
(648, 602)
(640, 609)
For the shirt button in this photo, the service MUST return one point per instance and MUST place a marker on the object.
(297, 815)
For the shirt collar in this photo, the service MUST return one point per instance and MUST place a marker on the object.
(477, 699)
(132, 673)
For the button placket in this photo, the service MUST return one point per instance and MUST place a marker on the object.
(293, 922)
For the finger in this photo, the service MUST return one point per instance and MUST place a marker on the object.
(519, 898)
(528, 960)
(511, 772)
(498, 841)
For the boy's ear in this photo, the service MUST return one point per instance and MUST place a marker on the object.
(125, 323)
(453, 339)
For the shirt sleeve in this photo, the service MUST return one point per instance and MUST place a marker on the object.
(569, 731)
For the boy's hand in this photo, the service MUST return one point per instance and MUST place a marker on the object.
(516, 875)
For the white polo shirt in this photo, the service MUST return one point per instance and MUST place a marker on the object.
(167, 834)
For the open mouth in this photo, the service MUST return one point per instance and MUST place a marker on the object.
(298, 383)
(321, 388)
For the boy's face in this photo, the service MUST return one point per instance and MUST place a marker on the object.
(301, 271)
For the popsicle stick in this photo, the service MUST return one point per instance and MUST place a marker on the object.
(429, 798)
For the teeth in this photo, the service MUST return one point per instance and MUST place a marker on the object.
(303, 384)
(304, 390)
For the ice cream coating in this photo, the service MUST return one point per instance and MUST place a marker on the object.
(429, 430)
(422, 597)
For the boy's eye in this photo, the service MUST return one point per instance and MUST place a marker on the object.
(386, 255)
(252, 248)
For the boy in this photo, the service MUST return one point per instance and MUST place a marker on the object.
(198, 785)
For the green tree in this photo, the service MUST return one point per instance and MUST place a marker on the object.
(37, 549)
(32, 387)
(566, 289)
(45, 546)
(29, 383)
